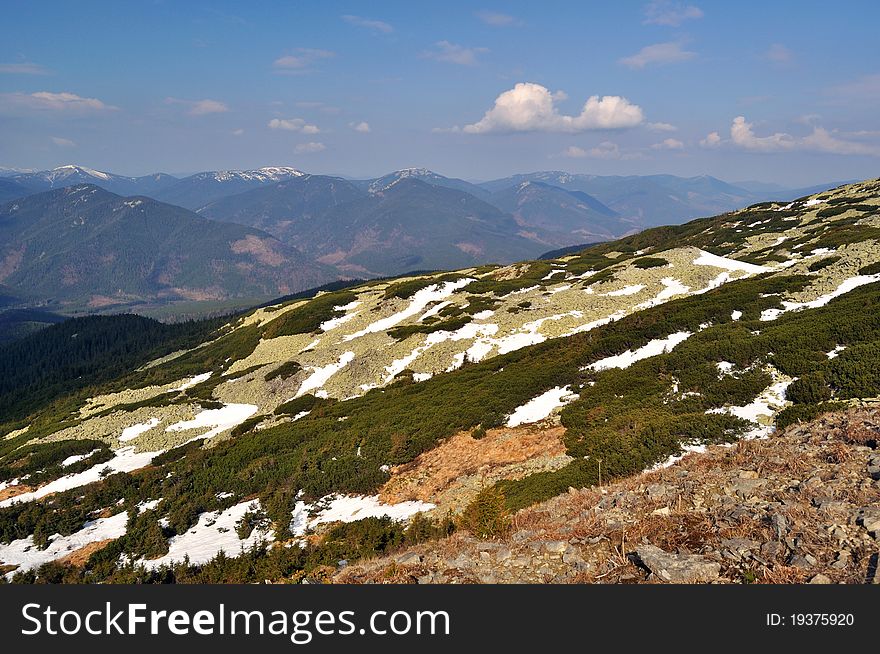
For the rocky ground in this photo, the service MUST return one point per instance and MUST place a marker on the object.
(800, 507)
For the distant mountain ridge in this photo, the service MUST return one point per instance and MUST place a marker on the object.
(82, 246)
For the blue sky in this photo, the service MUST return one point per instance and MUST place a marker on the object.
(787, 92)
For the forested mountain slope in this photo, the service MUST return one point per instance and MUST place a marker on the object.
(329, 421)
(84, 247)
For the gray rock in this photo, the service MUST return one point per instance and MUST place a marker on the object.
(745, 488)
(780, 524)
(820, 579)
(869, 518)
(409, 559)
(555, 546)
(802, 561)
(503, 553)
(678, 568)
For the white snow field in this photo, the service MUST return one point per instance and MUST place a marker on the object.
(709, 259)
(349, 508)
(541, 407)
(214, 532)
(321, 376)
(26, 555)
(845, 286)
(130, 433)
(420, 300)
(651, 349)
(219, 420)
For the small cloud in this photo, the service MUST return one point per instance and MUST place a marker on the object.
(779, 55)
(454, 54)
(668, 144)
(662, 127)
(309, 148)
(62, 142)
(24, 68)
(363, 127)
(659, 54)
(573, 152)
(742, 136)
(237, 132)
(529, 107)
(57, 102)
(497, 19)
(670, 14)
(205, 107)
(712, 140)
(368, 23)
(293, 125)
(300, 62)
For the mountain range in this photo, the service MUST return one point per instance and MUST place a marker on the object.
(84, 247)
(286, 442)
(316, 227)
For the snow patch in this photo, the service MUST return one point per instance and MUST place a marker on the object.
(541, 407)
(652, 349)
(219, 420)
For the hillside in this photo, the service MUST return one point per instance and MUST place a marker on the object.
(81, 246)
(801, 507)
(331, 422)
(287, 208)
(412, 225)
(560, 216)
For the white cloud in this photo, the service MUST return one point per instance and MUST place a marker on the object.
(205, 107)
(23, 68)
(742, 136)
(309, 148)
(668, 144)
(62, 142)
(779, 54)
(368, 23)
(237, 132)
(670, 52)
(529, 107)
(300, 62)
(293, 125)
(662, 127)
(573, 152)
(712, 140)
(454, 54)
(363, 127)
(671, 14)
(60, 102)
(497, 19)
(606, 150)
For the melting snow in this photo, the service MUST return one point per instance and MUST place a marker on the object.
(542, 406)
(125, 460)
(69, 461)
(327, 325)
(219, 420)
(420, 300)
(736, 315)
(130, 433)
(845, 287)
(25, 554)
(626, 290)
(198, 379)
(214, 532)
(320, 376)
(708, 259)
(652, 349)
(761, 410)
(348, 508)
(836, 351)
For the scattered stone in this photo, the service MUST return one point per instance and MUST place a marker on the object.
(678, 568)
(410, 558)
(821, 579)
